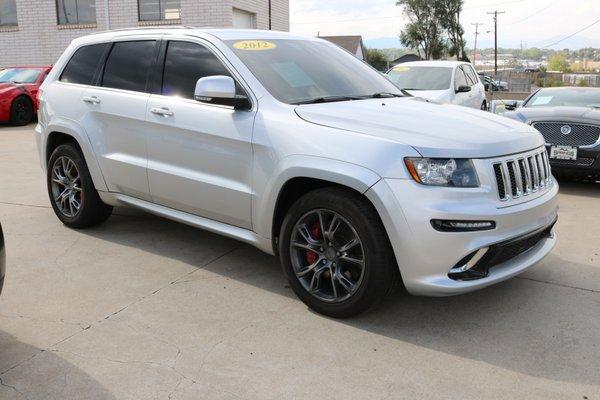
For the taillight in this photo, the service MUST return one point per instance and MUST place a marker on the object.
(39, 96)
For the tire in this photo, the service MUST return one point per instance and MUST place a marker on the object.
(484, 106)
(355, 216)
(72, 193)
(21, 111)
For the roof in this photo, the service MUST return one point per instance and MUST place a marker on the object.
(349, 43)
(220, 33)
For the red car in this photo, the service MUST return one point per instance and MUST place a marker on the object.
(19, 87)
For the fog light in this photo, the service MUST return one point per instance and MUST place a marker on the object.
(444, 225)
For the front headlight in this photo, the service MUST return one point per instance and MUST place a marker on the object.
(453, 172)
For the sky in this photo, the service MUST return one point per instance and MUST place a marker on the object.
(537, 23)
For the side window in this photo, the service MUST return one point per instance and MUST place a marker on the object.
(460, 79)
(474, 74)
(471, 78)
(82, 66)
(185, 63)
(128, 65)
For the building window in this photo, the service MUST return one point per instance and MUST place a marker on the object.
(76, 12)
(243, 19)
(159, 10)
(8, 12)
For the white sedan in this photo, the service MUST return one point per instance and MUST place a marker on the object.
(450, 82)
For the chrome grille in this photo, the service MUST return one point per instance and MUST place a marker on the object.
(522, 175)
(579, 135)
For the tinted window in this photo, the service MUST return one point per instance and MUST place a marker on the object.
(460, 79)
(76, 11)
(185, 63)
(82, 66)
(156, 10)
(421, 78)
(128, 65)
(8, 12)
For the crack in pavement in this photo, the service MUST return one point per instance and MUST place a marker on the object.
(557, 284)
(2, 383)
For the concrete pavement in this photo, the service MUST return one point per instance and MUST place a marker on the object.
(145, 308)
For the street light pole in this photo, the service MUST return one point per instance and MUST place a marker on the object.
(495, 14)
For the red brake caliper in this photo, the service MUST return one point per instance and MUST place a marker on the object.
(315, 231)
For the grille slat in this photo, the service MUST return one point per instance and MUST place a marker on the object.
(580, 135)
(516, 177)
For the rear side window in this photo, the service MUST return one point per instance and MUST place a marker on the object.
(82, 66)
(185, 63)
(128, 65)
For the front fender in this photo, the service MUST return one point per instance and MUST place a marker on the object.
(75, 130)
(303, 166)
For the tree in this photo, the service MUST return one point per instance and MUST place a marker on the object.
(450, 18)
(424, 32)
(377, 59)
(558, 62)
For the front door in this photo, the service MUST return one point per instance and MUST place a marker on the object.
(199, 155)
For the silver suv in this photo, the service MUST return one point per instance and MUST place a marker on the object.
(296, 147)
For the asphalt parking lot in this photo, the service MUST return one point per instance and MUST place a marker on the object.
(145, 308)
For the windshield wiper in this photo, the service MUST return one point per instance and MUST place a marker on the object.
(328, 99)
(383, 95)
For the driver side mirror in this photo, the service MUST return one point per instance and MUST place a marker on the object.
(220, 89)
(511, 105)
(463, 89)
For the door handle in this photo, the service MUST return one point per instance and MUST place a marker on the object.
(162, 111)
(91, 100)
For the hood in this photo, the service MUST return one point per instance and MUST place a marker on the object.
(433, 130)
(435, 95)
(5, 86)
(576, 114)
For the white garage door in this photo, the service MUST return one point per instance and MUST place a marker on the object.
(243, 19)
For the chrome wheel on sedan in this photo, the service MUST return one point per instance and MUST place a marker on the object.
(327, 255)
(66, 186)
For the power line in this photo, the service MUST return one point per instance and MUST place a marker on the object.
(534, 14)
(571, 35)
(494, 4)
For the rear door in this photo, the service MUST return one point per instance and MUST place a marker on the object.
(117, 114)
(199, 154)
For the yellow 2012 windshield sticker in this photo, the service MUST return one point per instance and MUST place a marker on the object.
(401, 69)
(254, 45)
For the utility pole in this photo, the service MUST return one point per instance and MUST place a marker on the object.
(270, 16)
(495, 14)
(477, 25)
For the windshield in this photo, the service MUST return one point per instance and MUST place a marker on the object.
(303, 71)
(19, 75)
(573, 97)
(421, 78)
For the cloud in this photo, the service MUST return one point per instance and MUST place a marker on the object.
(546, 19)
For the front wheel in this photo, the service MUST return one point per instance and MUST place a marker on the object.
(336, 254)
(21, 111)
(72, 193)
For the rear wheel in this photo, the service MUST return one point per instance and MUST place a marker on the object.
(336, 254)
(72, 193)
(21, 111)
(484, 106)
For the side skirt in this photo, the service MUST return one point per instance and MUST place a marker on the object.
(234, 232)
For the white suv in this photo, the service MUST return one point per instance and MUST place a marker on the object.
(296, 147)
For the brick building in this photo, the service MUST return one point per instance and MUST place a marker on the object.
(37, 31)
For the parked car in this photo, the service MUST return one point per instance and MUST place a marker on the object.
(296, 147)
(18, 93)
(449, 82)
(492, 84)
(2, 259)
(569, 120)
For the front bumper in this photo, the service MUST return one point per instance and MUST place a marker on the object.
(587, 163)
(425, 256)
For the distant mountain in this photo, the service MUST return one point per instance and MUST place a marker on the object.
(574, 43)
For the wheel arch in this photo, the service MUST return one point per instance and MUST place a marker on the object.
(69, 132)
(299, 175)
